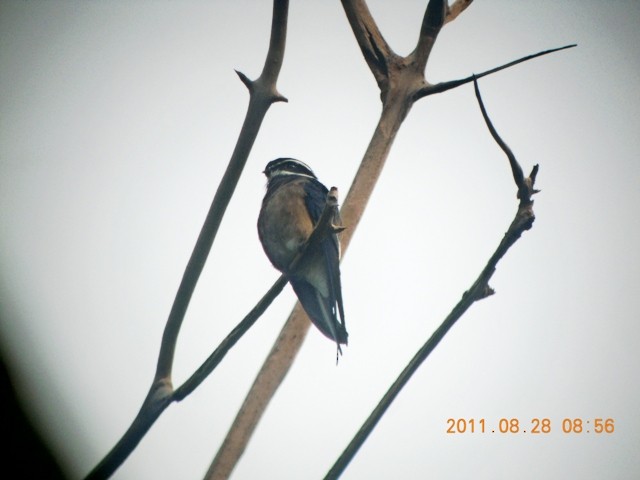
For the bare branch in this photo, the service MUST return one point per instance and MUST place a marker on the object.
(525, 186)
(158, 399)
(265, 85)
(518, 176)
(263, 92)
(480, 289)
(219, 353)
(246, 80)
(277, 42)
(374, 47)
(455, 9)
(260, 99)
(444, 86)
(432, 23)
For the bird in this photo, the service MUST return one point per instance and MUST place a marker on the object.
(291, 207)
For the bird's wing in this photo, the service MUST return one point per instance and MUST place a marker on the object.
(315, 199)
(319, 309)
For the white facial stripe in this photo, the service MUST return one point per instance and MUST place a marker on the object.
(293, 160)
(277, 173)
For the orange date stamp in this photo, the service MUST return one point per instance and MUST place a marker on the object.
(534, 426)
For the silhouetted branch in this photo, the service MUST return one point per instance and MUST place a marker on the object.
(525, 186)
(219, 353)
(432, 23)
(480, 289)
(374, 48)
(444, 86)
(455, 9)
(263, 93)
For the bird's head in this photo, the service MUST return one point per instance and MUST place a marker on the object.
(287, 166)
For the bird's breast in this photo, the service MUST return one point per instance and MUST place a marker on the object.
(284, 224)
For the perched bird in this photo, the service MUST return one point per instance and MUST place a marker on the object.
(290, 209)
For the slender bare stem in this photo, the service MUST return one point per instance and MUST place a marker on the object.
(219, 353)
(432, 23)
(455, 9)
(522, 221)
(448, 85)
(373, 46)
(263, 93)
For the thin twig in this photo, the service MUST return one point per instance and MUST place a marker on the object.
(523, 220)
(525, 189)
(375, 49)
(448, 85)
(263, 93)
(455, 9)
(432, 23)
(230, 340)
(518, 176)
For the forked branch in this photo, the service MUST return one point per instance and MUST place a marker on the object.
(374, 47)
(525, 186)
(432, 23)
(448, 85)
(480, 289)
(402, 82)
(455, 9)
(263, 93)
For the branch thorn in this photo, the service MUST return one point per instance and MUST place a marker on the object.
(247, 82)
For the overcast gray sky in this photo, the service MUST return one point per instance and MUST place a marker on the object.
(117, 119)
